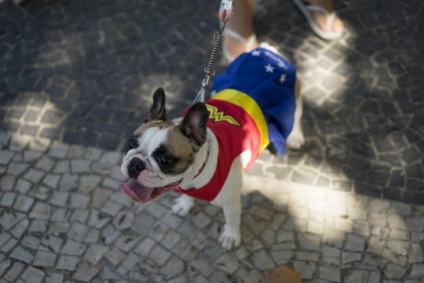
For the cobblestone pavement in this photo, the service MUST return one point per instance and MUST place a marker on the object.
(75, 79)
(63, 219)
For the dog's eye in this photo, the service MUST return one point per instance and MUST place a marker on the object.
(132, 143)
(163, 157)
(165, 160)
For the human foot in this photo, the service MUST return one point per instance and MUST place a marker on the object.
(235, 44)
(322, 18)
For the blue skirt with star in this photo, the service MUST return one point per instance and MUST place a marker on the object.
(270, 80)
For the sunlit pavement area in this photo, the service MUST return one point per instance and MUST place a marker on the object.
(76, 79)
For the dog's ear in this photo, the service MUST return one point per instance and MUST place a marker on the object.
(194, 123)
(158, 111)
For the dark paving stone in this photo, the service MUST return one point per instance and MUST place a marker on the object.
(368, 190)
(51, 133)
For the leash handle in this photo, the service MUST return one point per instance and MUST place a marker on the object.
(226, 9)
(225, 12)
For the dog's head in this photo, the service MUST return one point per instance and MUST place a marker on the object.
(160, 152)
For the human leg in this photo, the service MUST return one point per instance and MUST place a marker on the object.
(239, 34)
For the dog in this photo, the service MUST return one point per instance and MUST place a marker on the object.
(203, 153)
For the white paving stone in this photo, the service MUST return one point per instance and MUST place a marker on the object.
(39, 144)
(111, 158)
(34, 175)
(44, 259)
(14, 272)
(59, 198)
(9, 219)
(85, 272)
(417, 271)
(62, 166)
(144, 247)
(20, 228)
(78, 231)
(16, 168)
(88, 183)
(95, 253)
(305, 269)
(67, 263)
(356, 276)
(51, 180)
(114, 256)
(128, 263)
(394, 271)
(7, 199)
(160, 255)
(79, 200)
(58, 150)
(227, 263)
(22, 254)
(93, 153)
(31, 242)
(73, 248)
(262, 260)
(7, 182)
(55, 278)
(330, 273)
(32, 274)
(398, 247)
(45, 164)
(355, 243)
(38, 225)
(9, 245)
(5, 156)
(92, 236)
(80, 166)
(173, 267)
(5, 265)
(123, 220)
(41, 211)
(23, 203)
(23, 186)
(68, 182)
(112, 208)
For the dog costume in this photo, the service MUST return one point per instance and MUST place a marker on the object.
(253, 106)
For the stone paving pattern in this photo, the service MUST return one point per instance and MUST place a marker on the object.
(75, 80)
(63, 218)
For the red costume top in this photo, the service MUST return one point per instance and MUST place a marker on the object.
(238, 125)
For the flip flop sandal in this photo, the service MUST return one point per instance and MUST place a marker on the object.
(249, 43)
(306, 10)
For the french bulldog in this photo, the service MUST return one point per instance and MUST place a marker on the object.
(203, 153)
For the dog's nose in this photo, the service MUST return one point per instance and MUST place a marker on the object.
(135, 167)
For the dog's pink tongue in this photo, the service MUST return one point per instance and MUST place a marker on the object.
(137, 191)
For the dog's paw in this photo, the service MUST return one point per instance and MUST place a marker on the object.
(230, 238)
(182, 205)
(296, 140)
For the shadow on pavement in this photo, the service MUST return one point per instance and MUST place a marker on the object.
(363, 105)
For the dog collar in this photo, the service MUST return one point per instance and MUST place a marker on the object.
(203, 166)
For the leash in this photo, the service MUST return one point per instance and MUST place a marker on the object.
(225, 13)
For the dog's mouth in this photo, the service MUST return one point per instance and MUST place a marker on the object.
(144, 194)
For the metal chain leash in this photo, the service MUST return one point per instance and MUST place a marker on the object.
(224, 14)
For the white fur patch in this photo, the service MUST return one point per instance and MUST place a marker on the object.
(148, 143)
